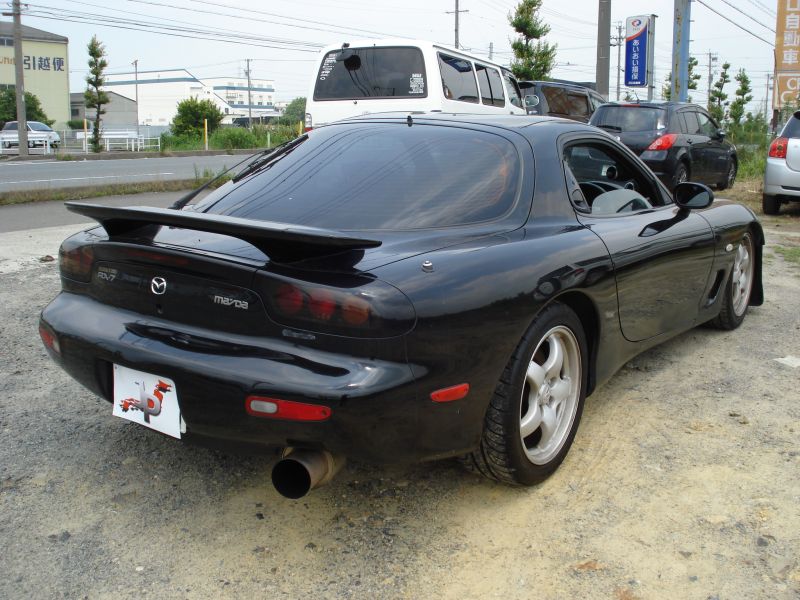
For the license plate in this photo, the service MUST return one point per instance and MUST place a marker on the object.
(147, 399)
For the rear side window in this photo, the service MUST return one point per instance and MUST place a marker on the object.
(630, 118)
(458, 79)
(491, 86)
(792, 128)
(383, 72)
(692, 126)
(579, 105)
(512, 89)
(557, 100)
(387, 177)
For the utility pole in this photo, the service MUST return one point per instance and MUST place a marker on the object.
(19, 84)
(680, 51)
(712, 58)
(618, 41)
(603, 46)
(766, 99)
(456, 11)
(249, 100)
(491, 50)
(135, 64)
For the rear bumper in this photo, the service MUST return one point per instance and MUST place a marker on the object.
(663, 165)
(780, 180)
(376, 407)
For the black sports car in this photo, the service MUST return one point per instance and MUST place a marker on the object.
(398, 289)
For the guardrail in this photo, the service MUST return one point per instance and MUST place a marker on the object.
(76, 141)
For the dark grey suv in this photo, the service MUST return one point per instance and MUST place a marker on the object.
(560, 99)
(677, 140)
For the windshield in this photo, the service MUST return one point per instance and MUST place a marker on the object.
(36, 126)
(630, 118)
(380, 177)
(381, 72)
(12, 126)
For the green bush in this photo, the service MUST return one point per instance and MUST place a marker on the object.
(181, 142)
(190, 115)
(76, 124)
(231, 138)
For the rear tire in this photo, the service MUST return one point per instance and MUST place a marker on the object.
(739, 287)
(534, 412)
(770, 205)
(681, 174)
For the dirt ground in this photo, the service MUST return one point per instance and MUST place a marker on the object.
(683, 482)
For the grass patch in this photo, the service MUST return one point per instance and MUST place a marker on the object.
(789, 253)
(82, 193)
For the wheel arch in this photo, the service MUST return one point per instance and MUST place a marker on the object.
(589, 317)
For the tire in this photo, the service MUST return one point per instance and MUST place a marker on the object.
(739, 287)
(545, 380)
(680, 175)
(730, 178)
(770, 205)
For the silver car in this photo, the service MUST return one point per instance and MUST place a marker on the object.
(782, 176)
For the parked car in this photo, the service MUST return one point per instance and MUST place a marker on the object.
(398, 288)
(370, 76)
(678, 141)
(39, 134)
(782, 175)
(560, 99)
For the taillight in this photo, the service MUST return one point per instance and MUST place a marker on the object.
(361, 307)
(777, 149)
(309, 124)
(273, 408)
(665, 142)
(49, 338)
(75, 260)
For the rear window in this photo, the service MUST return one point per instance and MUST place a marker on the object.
(630, 118)
(792, 128)
(491, 86)
(380, 177)
(385, 72)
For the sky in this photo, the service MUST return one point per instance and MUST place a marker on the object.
(282, 37)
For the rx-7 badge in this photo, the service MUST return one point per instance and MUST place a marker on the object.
(147, 403)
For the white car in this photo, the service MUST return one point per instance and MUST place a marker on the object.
(782, 175)
(39, 134)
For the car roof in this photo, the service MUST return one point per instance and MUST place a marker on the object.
(656, 104)
(506, 121)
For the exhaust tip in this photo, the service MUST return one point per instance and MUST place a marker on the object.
(291, 479)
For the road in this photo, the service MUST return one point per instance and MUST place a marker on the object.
(47, 174)
(683, 482)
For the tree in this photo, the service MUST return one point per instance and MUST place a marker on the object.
(189, 118)
(94, 96)
(533, 58)
(717, 98)
(295, 111)
(666, 90)
(33, 108)
(742, 97)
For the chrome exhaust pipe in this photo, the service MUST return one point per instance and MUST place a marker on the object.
(300, 471)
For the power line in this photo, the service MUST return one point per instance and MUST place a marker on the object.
(734, 23)
(766, 9)
(748, 16)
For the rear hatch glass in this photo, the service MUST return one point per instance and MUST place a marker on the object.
(383, 72)
(792, 128)
(636, 126)
(380, 177)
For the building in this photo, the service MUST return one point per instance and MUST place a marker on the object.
(46, 68)
(159, 93)
(120, 112)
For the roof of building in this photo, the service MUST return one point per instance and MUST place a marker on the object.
(30, 33)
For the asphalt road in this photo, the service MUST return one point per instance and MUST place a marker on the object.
(50, 174)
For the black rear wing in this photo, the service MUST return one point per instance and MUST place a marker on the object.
(279, 241)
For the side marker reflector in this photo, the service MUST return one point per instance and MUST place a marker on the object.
(456, 392)
(273, 408)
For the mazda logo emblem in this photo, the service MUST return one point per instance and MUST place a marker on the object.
(158, 286)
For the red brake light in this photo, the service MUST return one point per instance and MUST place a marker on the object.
(322, 304)
(289, 299)
(355, 310)
(777, 149)
(75, 261)
(49, 338)
(665, 142)
(273, 408)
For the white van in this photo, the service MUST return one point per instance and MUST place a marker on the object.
(372, 76)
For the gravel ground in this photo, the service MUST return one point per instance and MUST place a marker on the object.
(683, 482)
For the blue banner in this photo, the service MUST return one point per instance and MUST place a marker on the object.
(636, 51)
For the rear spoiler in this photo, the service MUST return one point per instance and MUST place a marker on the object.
(279, 241)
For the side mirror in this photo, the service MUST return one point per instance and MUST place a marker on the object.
(689, 195)
(720, 135)
(531, 100)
